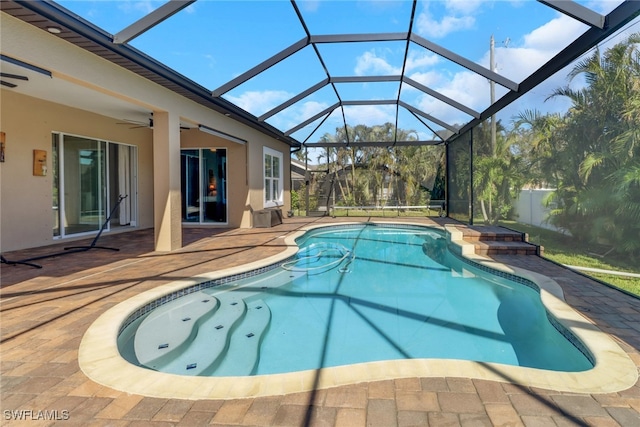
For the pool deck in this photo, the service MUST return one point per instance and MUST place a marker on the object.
(46, 312)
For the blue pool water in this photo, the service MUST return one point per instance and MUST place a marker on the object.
(354, 294)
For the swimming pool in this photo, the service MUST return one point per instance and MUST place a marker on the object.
(354, 294)
(343, 300)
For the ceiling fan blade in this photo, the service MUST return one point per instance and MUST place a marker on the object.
(14, 76)
(141, 124)
(136, 123)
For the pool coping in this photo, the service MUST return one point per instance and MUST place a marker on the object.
(100, 360)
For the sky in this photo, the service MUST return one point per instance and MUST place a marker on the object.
(213, 41)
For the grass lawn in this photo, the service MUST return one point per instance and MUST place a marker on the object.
(564, 250)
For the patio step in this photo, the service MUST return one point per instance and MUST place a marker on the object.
(496, 247)
(491, 233)
(495, 240)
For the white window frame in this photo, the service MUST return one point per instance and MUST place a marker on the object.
(270, 199)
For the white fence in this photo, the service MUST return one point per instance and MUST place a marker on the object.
(530, 208)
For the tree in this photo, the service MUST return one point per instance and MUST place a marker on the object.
(498, 173)
(374, 174)
(592, 153)
(534, 142)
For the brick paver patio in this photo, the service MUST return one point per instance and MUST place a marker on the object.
(45, 313)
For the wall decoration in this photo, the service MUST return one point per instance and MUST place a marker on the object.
(2, 141)
(39, 163)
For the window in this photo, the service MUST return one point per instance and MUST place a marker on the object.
(89, 176)
(204, 185)
(272, 178)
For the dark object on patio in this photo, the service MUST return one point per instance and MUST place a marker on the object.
(71, 249)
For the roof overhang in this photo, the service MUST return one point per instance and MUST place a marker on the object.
(75, 30)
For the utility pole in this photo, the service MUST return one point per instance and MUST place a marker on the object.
(492, 84)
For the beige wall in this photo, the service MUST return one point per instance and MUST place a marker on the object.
(82, 82)
(26, 200)
(256, 177)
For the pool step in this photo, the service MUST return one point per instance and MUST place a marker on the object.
(178, 320)
(211, 340)
(241, 358)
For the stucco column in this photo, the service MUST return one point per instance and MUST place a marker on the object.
(166, 181)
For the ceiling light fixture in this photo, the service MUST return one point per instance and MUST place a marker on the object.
(211, 131)
(54, 30)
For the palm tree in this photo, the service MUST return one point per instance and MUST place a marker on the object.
(536, 144)
(400, 171)
(594, 149)
(498, 174)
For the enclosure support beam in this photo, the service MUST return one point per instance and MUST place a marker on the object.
(152, 19)
(577, 11)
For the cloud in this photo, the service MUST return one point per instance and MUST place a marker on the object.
(309, 5)
(459, 17)
(296, 114)
(466, 88)
(516, 62)
(138, 7)
(259, 102)
(373, 63)
(370, 63)
(466, 7)
(429, 27)
(538, 47)
(418, 60)
(369, 115)
(429, 78)
(552, 34)
(309, 109)
(210, 60)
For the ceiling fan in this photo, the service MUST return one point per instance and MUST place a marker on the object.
(137, 124)
(11, 76)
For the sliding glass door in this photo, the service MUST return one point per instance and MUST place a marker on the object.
(204, 185)
(89, 176)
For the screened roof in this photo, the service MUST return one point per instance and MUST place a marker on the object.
(302, 69)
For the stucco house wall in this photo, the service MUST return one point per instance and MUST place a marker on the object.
(26, 200)
(29, 119)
